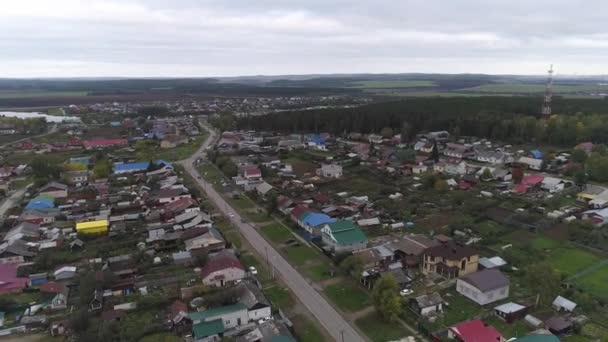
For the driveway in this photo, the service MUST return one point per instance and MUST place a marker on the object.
(325, 313)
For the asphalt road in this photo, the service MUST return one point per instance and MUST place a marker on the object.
(333, 322)
(11, 201)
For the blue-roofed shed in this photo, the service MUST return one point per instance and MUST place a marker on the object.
(537, 154)
(115, 124)
(130, 167)
(318, 140)
(40, 203)
(80, 160)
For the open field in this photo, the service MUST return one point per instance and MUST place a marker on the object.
(15, 94)
(276, 233)
(523, 88)
(392, 84)
(379, 329)
(571, 260)
(184, 151)
(306, 331)
(348, 296)
(595, 282)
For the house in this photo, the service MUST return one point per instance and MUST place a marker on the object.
(93, 227)
(257, 305)
(456, 167)
(510, 312)
(7, 128)
(427, 305)
(209, 239)
(598, 217)
(312, 222)
(474, 331)
(208, 331)
(97, 301)
(41, 202)
(419, 168)
(104, 143)
(126, 168)
(484, 287)
(6, 172)
(9, 281)
(343, 236)
(532, 163)
(410, 248)
(221, 269)
(231, 315)
(561, 304)
(65, 272)
(24, 230)
(493, 157)
(493, 262)
(252, 173)
(330, 171)
(558, 326)
(54, 190)
(450, 260)
(182, 258)
(263, 188)
(172, 194)
(75, 177)
(177, 315)
(457, 151)
(552, 184)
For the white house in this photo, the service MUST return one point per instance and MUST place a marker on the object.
(65, 272)
(418, 169)
(533, 164)
(330, 171)
(427, 305)
(562, 304)
(484, 287)
(456, 168)
(553, 184)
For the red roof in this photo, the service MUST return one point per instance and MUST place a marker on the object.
(321, 198)
(475, 331)
(175, 308)
(298, 211)
(180, 205)
(52, 287)
(533, 179)
(520, 189)
(252, 171)
(221, 261)
(9, 282)
(104, 142)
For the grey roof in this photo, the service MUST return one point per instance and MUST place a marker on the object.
(412, 244)
(54, 185)
(182, 255)
(487, 280)
(509, 307)
(428, 300)
(251, 295)
(564, 303)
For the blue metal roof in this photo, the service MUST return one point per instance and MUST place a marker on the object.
(537, 154)
(131, 166)
(318, 140)
(316, 219)
(40, 203)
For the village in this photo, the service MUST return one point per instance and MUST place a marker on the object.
(106, 234)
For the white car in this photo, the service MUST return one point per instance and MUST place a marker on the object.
(231, 214)
(253, 270)
(406, 292)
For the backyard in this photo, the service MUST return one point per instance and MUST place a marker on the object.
(348, 296)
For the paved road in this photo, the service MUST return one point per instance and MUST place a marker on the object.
(11, 201)
(53, 129)
(333, 322)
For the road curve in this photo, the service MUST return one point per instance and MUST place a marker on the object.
(333, 322)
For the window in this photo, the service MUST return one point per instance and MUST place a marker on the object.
(227, 322)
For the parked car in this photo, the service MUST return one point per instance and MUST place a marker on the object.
(253, 270)
(406, 292)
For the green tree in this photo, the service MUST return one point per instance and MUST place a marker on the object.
(146, 149)
(86, 288)
(406, 132)
(597, 167)
(441, 185)
(487, 174)
(578, 156)
(386, 132)
(102, 169)
(353, 266)
(580, 178)
(42, 168)
(385, 297)
(542, 279)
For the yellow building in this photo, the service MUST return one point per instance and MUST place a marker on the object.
(450, 260)
(92, 227)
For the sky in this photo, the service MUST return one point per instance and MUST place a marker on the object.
(201, 38)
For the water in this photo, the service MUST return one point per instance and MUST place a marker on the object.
(49, 118)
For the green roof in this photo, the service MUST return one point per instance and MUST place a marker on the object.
(342, 225)
(215, 312)
(346, 232)
(206, 329)
(538, 338)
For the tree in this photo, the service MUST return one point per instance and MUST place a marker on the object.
(542, 279)
(42, 168)
(597, 167)
(353, 266)
(102, 169)
(487, 174)
(406, 131)
(86, 288)
(441, 185)
(386, 132)
(580, 178)
(74, 167)
(578, 156)
(385, 297)
(145, 149)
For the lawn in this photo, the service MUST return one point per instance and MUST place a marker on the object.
(515, 329)
(241, 202)
(318, 272)
(392, 84)
(277, 233)
(183, 151)
(300, 255)
(348, 296)
(595, 282)
(211, 173)
(301, 166)
(379, 329)
(460, 309)
(305, 330)
(541, 243)
(257, 216)
(279, 296)
(571, 260)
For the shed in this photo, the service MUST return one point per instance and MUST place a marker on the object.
(510, 312)
(562, 304)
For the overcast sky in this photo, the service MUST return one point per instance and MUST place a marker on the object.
(191, 38)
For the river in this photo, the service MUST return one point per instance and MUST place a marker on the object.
(49, 118)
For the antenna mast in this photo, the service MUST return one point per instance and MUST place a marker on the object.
(546, 109)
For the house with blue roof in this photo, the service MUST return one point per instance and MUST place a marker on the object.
(317, 142)
(40, 203)
(536, 154)
(312, 222)
(124, 168)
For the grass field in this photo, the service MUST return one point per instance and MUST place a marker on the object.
(12, 94)
(595, 282)
(571, 260)
(379, 329)
(300, 167)
(183, 151)
(523, 88)
(300, 255)
(305, 330)
(348, 296)
(318, 272)
(279, 296)
(277, 233)
(392, 84)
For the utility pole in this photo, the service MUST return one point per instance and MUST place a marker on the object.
(342, 334)
(546, 109)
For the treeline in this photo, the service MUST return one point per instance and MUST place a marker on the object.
(510, 119)
(29, 126)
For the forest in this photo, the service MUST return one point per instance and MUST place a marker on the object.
(509, 119)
